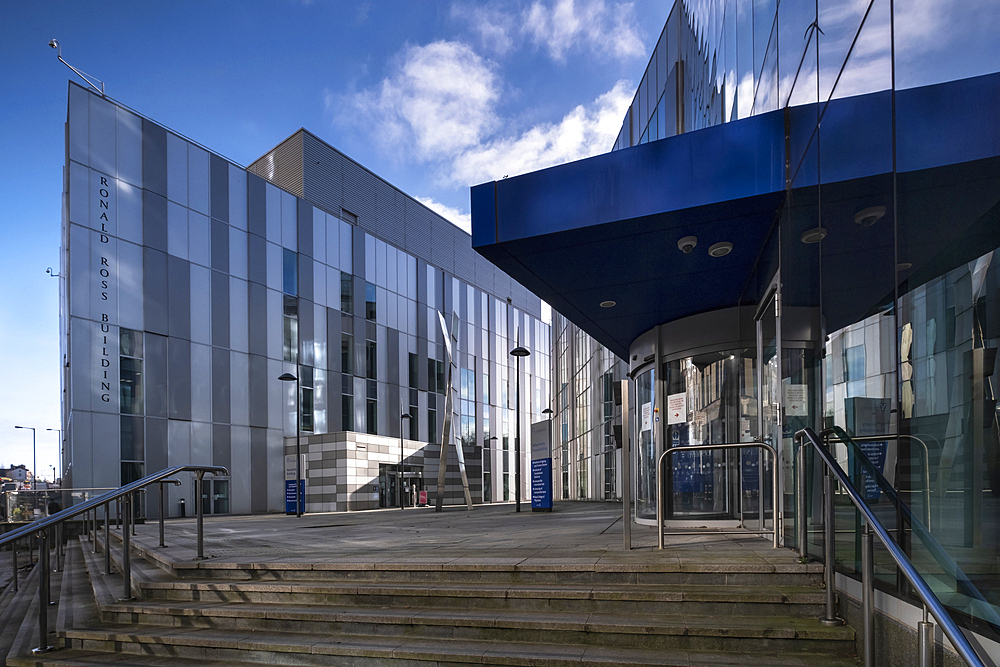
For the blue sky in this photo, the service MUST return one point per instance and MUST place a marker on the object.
(433, 96)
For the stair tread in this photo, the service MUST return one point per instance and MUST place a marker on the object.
(703, 625)
(465, 650)
(651, 592)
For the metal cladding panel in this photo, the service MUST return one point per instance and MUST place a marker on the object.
(390, 213)
(323, 182)
(419, 228)
(283, 165)
(443, 244)
(359, 194)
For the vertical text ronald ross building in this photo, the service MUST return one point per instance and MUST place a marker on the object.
(193, 283)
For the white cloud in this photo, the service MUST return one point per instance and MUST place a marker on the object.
(497, 27)
(583, 132)
(457, 217)
(558, 27)
(439, 101)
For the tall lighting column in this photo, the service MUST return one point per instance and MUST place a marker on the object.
(34, 457)
(518, 352)
(288, 377)
(58, 435)
(399, 485)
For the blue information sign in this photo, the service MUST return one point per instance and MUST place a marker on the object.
(541, 484)
(290, 496)
(541, 467)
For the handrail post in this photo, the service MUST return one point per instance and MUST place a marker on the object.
(43, 594)
(13, 562)
(868, 594)
(659, 495)
(800, 504)
(107, 537)
(126, 556)
(829, 553)
(775, 496)
(199, 509)
(59, 547)
(163, 509)
(925, 642)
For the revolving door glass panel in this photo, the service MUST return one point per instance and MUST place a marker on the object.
(647, 451)
(703, 395)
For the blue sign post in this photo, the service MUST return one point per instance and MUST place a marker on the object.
(291, 470)
(541, 467)
(290, 496)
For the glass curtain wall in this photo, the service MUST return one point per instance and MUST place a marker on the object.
(893, 263)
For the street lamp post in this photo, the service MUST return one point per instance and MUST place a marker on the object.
(288, 377)
(518, 352)
(60, 452)
(399, 485)
(34, 456)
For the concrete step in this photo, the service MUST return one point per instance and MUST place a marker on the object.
(443, 613)
(212, 644)
(736, 633)
(799, 601)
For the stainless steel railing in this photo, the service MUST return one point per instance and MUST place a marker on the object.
(665, 457)
(833, 470)
(39, 530)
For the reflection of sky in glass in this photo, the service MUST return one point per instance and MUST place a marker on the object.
(763, 64)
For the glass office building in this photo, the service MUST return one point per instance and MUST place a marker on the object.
(796, 228)
(191, 284)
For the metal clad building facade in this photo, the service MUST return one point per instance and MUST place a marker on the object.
(192, 284)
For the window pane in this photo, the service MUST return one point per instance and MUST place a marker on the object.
(130, 372)
(346, 293)
(370, 301)
(371, 360)
(347, 413)
(347, 354)
(372, 417)
(290, 272)
(132, 439)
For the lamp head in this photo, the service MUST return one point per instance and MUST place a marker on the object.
(54, 43)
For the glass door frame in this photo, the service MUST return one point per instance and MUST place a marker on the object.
(769, 305)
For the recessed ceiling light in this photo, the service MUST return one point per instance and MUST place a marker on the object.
(720, 249)
(608, 304)
(869, 216)
(814, 235)
(903, 266)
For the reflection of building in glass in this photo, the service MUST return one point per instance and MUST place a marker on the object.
(795, 229)
(193, 283)
(586, 456)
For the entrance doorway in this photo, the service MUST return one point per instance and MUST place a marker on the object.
(390, 489)
(215, 496)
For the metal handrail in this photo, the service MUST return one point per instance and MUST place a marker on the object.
(660, 501)
(40, 527)
(841, 433)
(924, 592)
